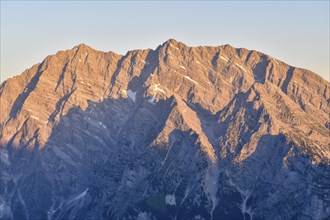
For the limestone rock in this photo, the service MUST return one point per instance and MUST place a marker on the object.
(223, 132)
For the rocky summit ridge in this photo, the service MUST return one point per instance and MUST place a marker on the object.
(172, 133)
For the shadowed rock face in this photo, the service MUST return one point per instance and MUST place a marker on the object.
(176, 132)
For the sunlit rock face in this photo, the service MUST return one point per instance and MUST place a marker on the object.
(177, 132)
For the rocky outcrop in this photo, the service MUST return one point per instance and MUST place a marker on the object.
(175, 132)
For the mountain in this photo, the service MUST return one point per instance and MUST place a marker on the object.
(177, 132)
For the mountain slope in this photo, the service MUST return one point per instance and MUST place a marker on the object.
(204, 132)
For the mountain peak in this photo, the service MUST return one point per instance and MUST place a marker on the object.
(209, 76)
(83, 47)
(171, 41)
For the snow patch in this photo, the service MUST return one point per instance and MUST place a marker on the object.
(274, 61)
(123, 93)
(1, 209)
(211, 185)
(186, 194)
(36, 118)
(198, 217)
(131, 94)
(224, 58)
(101, 124)
(144, 216)
(245, 194)
(143, 61)
(155, 87)
(60, 153)
(227, 83)
(81, 195)
(170, 200)
(163, 162)
(239, 66)
(174, 47)
(23, 205)
(182, 67)
(4, 157)
(190, 79)
(152, 100)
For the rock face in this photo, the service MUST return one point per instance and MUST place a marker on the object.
(177, 132)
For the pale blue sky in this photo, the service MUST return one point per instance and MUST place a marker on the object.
(296, 32)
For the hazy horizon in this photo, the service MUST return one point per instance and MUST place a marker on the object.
(294, 32)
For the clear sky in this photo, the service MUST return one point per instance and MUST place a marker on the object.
(296, 32)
